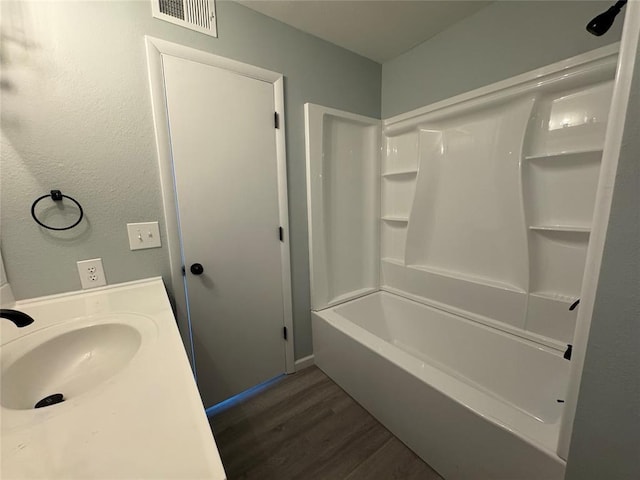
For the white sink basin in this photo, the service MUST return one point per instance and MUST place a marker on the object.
(131, 409)
(71, 359)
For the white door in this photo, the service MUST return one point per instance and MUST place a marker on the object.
(223, 143)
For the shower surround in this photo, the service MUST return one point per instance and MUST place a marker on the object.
(464, 226)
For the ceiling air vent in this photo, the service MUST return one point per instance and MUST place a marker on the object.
(198, 15)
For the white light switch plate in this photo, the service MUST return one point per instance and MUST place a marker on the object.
(143, 235)
(91, 273)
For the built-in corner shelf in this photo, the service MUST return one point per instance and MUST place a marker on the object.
(408, 173)
(395, 218)
(392, 260)
(558, 297)
(564, 154)
(561, 228)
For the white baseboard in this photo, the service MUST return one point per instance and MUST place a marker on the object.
(304, 362)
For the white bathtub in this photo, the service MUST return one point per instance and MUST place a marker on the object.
(473, 402)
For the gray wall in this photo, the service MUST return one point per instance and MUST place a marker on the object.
(500, 41)
(76, 115)
(606, 430)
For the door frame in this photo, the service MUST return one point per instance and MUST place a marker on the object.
(155, 48)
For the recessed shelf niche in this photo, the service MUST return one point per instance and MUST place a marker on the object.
(561, 189)
(394, 237)
(560, 178)
(397, 195)
(401, 154)
(572, 120)
(399, 171)
(557, 262)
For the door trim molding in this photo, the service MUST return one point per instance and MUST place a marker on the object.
(155, 49)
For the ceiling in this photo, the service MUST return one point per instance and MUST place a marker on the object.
(379, 30)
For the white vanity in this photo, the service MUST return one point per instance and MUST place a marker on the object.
(131, 408)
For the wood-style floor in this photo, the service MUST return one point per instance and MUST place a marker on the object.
(306, 427)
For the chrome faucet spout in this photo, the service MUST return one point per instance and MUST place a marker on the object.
(20, 319)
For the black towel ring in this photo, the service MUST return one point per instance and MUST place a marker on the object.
(56, 196)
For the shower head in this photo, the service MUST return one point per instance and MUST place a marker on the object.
(600, 24)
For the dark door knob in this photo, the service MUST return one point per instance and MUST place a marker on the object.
(196, 269)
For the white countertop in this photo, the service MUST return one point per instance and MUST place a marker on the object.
(145, 422)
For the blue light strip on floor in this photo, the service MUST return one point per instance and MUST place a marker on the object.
(241, 397)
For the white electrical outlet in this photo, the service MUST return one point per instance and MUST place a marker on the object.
(143, 235)
(91, 273)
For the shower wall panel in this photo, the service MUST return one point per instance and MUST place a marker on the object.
(467, 219)
(487, 198)
(343, 172)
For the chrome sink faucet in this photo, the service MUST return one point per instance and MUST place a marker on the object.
(20, 319)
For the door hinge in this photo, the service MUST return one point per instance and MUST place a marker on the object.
(184, 271)
(281, 234)
(276, 120)
(284, 332)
